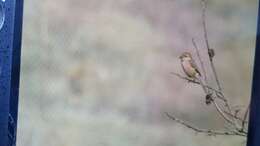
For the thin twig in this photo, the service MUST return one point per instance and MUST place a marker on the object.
(221, 112)
(244, 118)
(201, 62)
(204, 6)
(205, 131)
(210, 51)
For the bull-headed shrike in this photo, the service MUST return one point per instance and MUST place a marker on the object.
(189, 66)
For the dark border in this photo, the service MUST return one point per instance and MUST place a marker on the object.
(254, 120)
(15, 72)
(10, 52)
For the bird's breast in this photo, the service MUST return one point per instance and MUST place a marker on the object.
(188, 68)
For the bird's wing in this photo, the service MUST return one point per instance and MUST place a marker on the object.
(194, 65)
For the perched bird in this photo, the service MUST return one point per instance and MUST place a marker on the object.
(192, 71)
(189, 66)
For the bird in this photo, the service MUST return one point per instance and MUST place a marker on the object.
(189, 66)
(192, 71)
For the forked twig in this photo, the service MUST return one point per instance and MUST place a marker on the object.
(210, 88)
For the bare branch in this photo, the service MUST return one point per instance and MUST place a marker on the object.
(205, 131)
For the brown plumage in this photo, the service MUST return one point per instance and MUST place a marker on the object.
(189, 66)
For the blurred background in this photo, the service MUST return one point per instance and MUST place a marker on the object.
(97, 72)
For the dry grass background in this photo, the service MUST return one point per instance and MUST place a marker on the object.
(97, 72)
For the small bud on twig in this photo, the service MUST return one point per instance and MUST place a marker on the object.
(211, 53)
(209, 99)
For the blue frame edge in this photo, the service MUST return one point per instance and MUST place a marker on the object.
(253, 138)
(10, 52)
